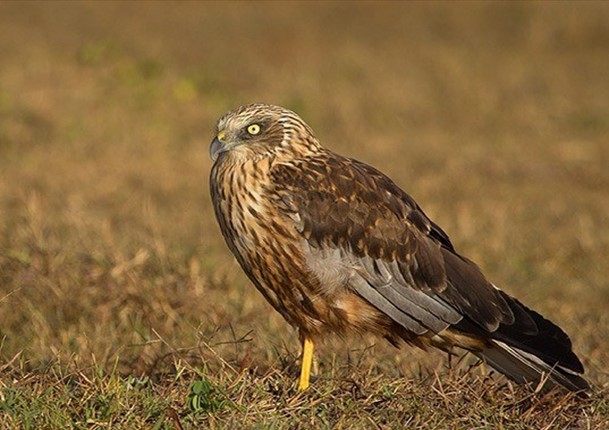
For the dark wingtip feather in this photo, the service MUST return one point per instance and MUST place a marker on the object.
(550, 343)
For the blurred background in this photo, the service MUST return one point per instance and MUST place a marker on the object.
(494, 116)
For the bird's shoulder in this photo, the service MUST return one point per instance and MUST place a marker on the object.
(331, 188)
(338, 202)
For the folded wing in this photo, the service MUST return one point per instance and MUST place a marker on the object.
(405, 266)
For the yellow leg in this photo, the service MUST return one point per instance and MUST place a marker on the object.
(307, 360)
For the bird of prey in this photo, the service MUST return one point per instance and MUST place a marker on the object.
(336, 246)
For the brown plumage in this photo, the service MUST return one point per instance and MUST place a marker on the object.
(336, 246)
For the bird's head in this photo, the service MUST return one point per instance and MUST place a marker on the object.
(259, 129)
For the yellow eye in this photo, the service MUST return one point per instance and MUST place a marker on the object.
(253, 129)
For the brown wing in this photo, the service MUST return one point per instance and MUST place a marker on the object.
(408, 266)
(404, 264)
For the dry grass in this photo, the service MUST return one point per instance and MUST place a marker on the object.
(120, 306)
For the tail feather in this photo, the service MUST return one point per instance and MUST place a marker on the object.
(530, 348)
(524, 367)
(518, 363)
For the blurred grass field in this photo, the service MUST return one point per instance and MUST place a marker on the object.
(120, 305)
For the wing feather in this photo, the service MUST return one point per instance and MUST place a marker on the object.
(404, 264)
(432, 313)
(405, 258)
(421, 305)
(397, 310)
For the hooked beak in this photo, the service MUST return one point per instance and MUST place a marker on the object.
(217, 146)
(216, 149)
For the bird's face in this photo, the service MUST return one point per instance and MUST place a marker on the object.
(257, 129)
(246, 129)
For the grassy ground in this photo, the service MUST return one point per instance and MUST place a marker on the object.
(120, 306)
